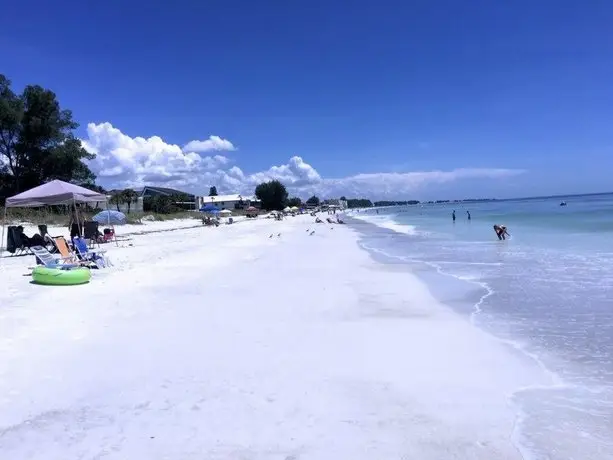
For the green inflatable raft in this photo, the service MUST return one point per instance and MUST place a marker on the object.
(59, 277)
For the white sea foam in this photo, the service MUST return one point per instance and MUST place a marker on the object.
(385, 221)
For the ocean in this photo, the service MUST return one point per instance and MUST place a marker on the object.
(547, 291)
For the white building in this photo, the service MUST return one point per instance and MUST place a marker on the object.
(334, 204)
(228, 201)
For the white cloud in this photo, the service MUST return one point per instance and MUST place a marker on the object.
(123, 161)
(213, 143)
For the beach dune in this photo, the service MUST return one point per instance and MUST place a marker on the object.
(227, 344)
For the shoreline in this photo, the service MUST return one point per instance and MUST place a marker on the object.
(300, 342)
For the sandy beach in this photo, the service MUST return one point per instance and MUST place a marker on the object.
(225, 343)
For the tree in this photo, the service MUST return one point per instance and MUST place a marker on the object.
(359, 203)
(313, 201)
(95, 188)
(343, 198)
(129, 196)
(37, 143)
(213, 191)
(294, 201)
(272, 194)
(116, 199)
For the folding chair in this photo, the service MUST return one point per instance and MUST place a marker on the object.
(85, 255)
(16, 242)
(44, 257)
(62, 246)
(91, 233)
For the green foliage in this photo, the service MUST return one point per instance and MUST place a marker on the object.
(129, 196)
(343, 198)
(313, 201)
(272, 194)
(396, 203)
(116, 199)
(294, 201)
(164, 204)
(359, 203)
(37, 143)
(213, 191)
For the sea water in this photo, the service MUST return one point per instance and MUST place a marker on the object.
(547, 291)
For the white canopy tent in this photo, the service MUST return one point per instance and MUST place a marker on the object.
(55, 192)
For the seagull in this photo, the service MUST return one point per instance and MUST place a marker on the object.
(312, 232)
(278, 235)
(270, 236)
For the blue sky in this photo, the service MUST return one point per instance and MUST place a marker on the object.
(519, 93)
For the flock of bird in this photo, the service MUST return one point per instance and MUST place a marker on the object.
(308, 230)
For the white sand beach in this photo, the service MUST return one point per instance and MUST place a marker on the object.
(224, 343)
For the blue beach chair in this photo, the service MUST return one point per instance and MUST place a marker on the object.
(97, 257)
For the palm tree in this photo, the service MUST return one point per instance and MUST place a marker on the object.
(116, 199)
(129, 196)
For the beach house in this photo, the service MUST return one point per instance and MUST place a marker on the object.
(189, 200)
(229, 201)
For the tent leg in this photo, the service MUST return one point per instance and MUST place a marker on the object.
(108, 222)
(2, 240)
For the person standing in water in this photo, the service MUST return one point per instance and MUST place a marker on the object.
(501, 232)
(468, 214)
(453, 215)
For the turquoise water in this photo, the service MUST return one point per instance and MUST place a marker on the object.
(548, 291)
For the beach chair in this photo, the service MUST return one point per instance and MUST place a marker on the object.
(42, 230)
(62, 246)
(91, 233)
(86, 256)
(16, 242)
(108, 234)
(44, 257)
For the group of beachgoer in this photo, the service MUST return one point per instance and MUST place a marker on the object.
(501, 230)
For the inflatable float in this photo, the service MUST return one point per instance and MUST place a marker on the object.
(60, 277)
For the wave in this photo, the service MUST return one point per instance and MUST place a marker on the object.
(388, 223)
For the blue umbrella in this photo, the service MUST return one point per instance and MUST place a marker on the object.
(210, 209)
(110, 217)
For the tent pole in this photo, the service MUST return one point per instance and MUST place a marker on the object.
(76, 214)
(2, 240)
(108, 222)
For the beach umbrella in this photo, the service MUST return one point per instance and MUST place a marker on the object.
(110, 218)
(210, 209)
(287, 209)
(252, 209)
(225, 212)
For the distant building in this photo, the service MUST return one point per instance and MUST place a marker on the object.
(150, 192)
(334, 204)
(228, 201)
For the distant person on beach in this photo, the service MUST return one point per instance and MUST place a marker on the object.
(468, 214)
(453, 215)
(501, 232)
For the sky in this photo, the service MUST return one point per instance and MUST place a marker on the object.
(427, 99)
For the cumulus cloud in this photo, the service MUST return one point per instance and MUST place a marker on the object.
(213, 143)
(124, 161)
